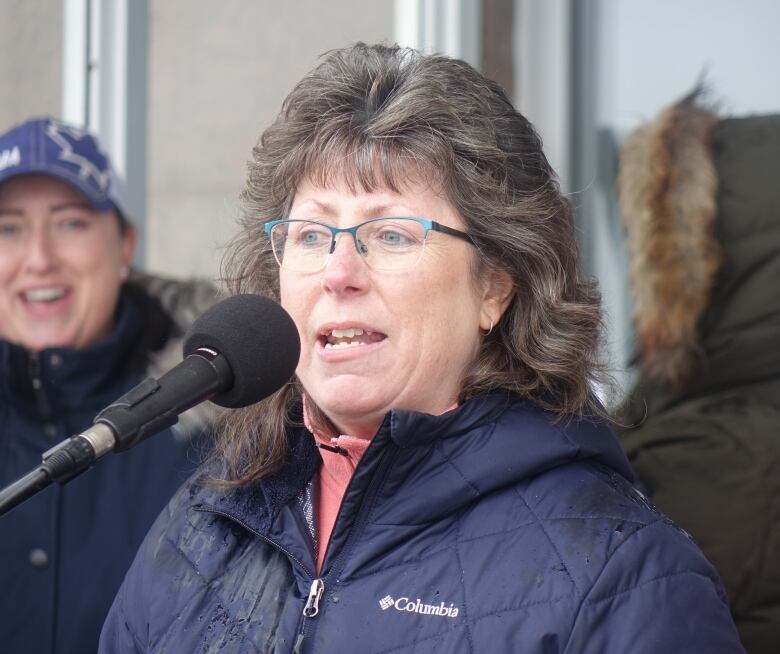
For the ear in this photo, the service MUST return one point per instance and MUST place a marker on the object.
(129, 239)
(498, 291)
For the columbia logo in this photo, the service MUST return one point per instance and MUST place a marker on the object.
(406, 605)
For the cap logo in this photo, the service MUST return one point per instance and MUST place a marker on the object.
(64, 137)
(10, 158)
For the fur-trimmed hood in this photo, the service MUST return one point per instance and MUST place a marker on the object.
(667, 188)
(700, 200)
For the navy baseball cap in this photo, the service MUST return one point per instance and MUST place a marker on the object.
(46, 146)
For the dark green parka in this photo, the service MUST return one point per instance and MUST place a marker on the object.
(701, 203)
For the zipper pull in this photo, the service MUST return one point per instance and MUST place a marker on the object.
(312, 607)
(34, 371)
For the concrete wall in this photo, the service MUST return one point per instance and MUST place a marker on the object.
(30, 59)
(217, 77)
(217, 73)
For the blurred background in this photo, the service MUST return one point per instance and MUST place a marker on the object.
(179, 91)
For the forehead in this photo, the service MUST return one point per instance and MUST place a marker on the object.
(339, 192)
(27, 191)
(347, 205)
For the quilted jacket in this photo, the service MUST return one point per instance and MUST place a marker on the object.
(65, 551)
(490, 528)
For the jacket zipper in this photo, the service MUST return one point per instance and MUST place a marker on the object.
(318, 585)
(273, 544)
(34, 371)
(311, 609)
(317, 590)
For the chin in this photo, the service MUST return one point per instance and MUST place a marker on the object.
(350, 406)
(344, 410)
(45, 343)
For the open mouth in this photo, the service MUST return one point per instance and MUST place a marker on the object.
(44, 295)
(350, 337)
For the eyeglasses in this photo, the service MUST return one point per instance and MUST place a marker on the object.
(386, 244)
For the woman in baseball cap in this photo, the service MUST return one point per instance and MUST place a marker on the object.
(65, 245)
(77, 330)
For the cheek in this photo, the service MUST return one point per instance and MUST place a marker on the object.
(6, 275)
(443, 326)
(289, 297)
(294, 299)
(100, 253)
(11, 265)
(98, 272)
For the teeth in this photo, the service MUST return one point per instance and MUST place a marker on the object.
(346, 333)
(44, 294)
(342, 344)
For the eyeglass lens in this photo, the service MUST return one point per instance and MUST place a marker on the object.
(385, 243)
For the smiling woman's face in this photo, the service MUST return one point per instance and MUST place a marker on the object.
(420, 327)
(60, 265)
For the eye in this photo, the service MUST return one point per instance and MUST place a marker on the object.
(310, 235)
(394, 236)
(9, 228)
(74, 224)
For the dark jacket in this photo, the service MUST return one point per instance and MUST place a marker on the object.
(702, 425)
(486, 529)
(64, 552)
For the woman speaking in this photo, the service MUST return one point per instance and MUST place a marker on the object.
(438, 477)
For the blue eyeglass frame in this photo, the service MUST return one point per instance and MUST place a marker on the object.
(428, 225)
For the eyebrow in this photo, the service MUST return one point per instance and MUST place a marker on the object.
(322, 206)
(71, 205)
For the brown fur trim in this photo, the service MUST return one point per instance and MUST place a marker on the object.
(667, 189)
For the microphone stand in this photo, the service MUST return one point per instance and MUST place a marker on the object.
(144, 410)
(23, 488)
(61, 463)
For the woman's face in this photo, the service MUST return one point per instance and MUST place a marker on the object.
(424, 322)
(60, 265)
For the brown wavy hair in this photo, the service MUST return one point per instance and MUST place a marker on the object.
(378, 116)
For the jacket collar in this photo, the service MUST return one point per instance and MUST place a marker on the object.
(433, 465)
(487, 444)
(73, 378)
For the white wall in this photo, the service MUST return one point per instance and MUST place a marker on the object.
(655, 51)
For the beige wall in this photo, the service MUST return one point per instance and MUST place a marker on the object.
(30, 59)
(218, 71)
(217, 77)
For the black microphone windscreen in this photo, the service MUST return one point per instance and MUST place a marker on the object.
(259, 340)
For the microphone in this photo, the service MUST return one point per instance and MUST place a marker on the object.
(238, 352)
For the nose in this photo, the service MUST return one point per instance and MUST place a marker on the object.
(345, 271)
(40, 256)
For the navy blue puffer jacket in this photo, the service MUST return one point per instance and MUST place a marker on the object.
(65, 551)
(487, 529)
